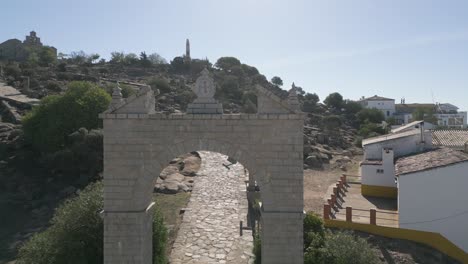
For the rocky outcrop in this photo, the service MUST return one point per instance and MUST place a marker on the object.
(178, 176)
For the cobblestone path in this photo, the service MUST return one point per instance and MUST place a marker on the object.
(210, 229)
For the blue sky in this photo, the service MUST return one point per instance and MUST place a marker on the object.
(414, 49)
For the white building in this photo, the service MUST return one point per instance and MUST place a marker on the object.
(416, 125)
(452, 120)
(377, 168)
(432, 193)
(386, 105)
(447, 115)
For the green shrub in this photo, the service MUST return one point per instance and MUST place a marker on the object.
(48, 125)
(313, 226)
(257, 249)
(12, 70)
(340, 247)
(345, 248)
(76, 234)
(159, 238)
(161, 84)
(332, 122)
(358, 142)
(370, 115)
(82, 156)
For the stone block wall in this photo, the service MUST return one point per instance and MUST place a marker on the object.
(138, 146)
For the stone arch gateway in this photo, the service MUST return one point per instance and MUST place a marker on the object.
(139, 143)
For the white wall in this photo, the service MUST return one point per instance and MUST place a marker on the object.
(387, 107)
(387, 178)
(427, 196)
(401, 146)
(445, 119)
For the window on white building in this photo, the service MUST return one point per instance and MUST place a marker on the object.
(380, 171)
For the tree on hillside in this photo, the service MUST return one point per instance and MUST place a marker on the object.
(277, 81)
(145, 62)
(48, 125)
(334, 100)
(156, 59)
(46, 56)
(426, 114)
(370, 115)
(77, 57)
(117, 57)
(352, 107)
(230, 89)
(309, 102)
(92, 58)
(130, 59)
(178, 65)
(160, 84)
(226, 63)
(249, 70)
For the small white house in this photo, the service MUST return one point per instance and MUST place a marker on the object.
(386, 105)
(432, 196)
(377, 169)
(403, 143)
(378, 176)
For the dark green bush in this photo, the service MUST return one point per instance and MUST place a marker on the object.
(159, 238)
(345, 248)
(313, 225)
(257, 249)
(76, 234)
(325, 247)
(161, 84)
(12, 70)
(82, 156)
(48, 125)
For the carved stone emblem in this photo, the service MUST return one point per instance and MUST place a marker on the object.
(204, 86)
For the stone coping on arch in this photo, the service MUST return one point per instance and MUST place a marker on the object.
(182, 116)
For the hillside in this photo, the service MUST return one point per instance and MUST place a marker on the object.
(39, 177)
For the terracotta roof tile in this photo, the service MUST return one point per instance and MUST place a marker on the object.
(429, 160)
(450, 138)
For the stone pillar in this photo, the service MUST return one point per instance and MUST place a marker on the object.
(282, 237)
(128, 236)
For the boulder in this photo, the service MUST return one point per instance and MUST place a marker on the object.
(191, 166)
(177, 177)
(171, 169)
(171, 187)
(313, 162)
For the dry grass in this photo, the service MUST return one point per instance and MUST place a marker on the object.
(170, 205)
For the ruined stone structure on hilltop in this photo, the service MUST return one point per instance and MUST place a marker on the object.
(14, 49)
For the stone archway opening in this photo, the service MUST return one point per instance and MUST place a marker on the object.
(139, 142)
(210, 230)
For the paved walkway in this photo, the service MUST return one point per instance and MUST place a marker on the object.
(210, 229)
(387, 209)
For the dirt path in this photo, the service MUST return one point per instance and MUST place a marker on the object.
(316, 183)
